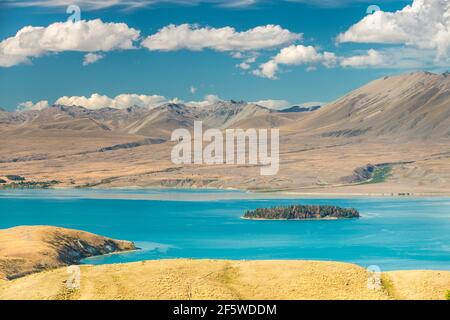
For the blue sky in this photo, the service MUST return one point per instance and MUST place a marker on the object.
(49, 75)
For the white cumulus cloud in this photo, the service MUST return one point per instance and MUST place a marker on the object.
(373, 58)
(295, 55)
(195, 38)
(29, 105)
(83, 36)
(207, 100)
(248, 59)
(91, 58)
(273, 104)
(244, 66)
(424, 24)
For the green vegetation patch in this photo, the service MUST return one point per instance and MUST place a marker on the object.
(96, 184)
(15, 178)
(31, 185)
(380, 174)
(388, 286)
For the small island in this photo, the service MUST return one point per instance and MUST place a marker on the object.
(302, 212)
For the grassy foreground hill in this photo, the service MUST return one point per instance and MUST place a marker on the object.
(234, 280)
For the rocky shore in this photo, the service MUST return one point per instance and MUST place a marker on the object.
(26, 250)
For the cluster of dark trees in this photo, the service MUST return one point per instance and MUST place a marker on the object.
(30, 185)
(15, 178)
(297, 212)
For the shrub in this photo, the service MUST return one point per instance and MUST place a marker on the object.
(32, 184)
(15, 178)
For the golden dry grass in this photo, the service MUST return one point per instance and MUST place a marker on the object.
(419, 285)
(235, 280)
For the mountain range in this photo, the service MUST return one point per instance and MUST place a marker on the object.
(399, 124)
(160, 121)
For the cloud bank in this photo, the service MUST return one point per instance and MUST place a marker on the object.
(420, 31)
(96, 37)
(273, 104)
(97, 101)
(195, 38)
(84, 36)
(122, 101)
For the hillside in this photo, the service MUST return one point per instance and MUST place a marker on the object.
(408, 106)
(25, 250)
(228, 280)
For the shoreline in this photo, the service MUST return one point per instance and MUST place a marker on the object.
(82, 261)
(261, 193)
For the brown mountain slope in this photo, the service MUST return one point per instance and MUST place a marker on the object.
(158, 122)
(409, 106)
(161, 121)
(227, 114)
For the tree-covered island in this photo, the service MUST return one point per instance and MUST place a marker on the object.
(301, 212)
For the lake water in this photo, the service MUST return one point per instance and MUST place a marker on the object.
(393, 233)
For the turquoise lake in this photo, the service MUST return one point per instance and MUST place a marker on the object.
(393, 233)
